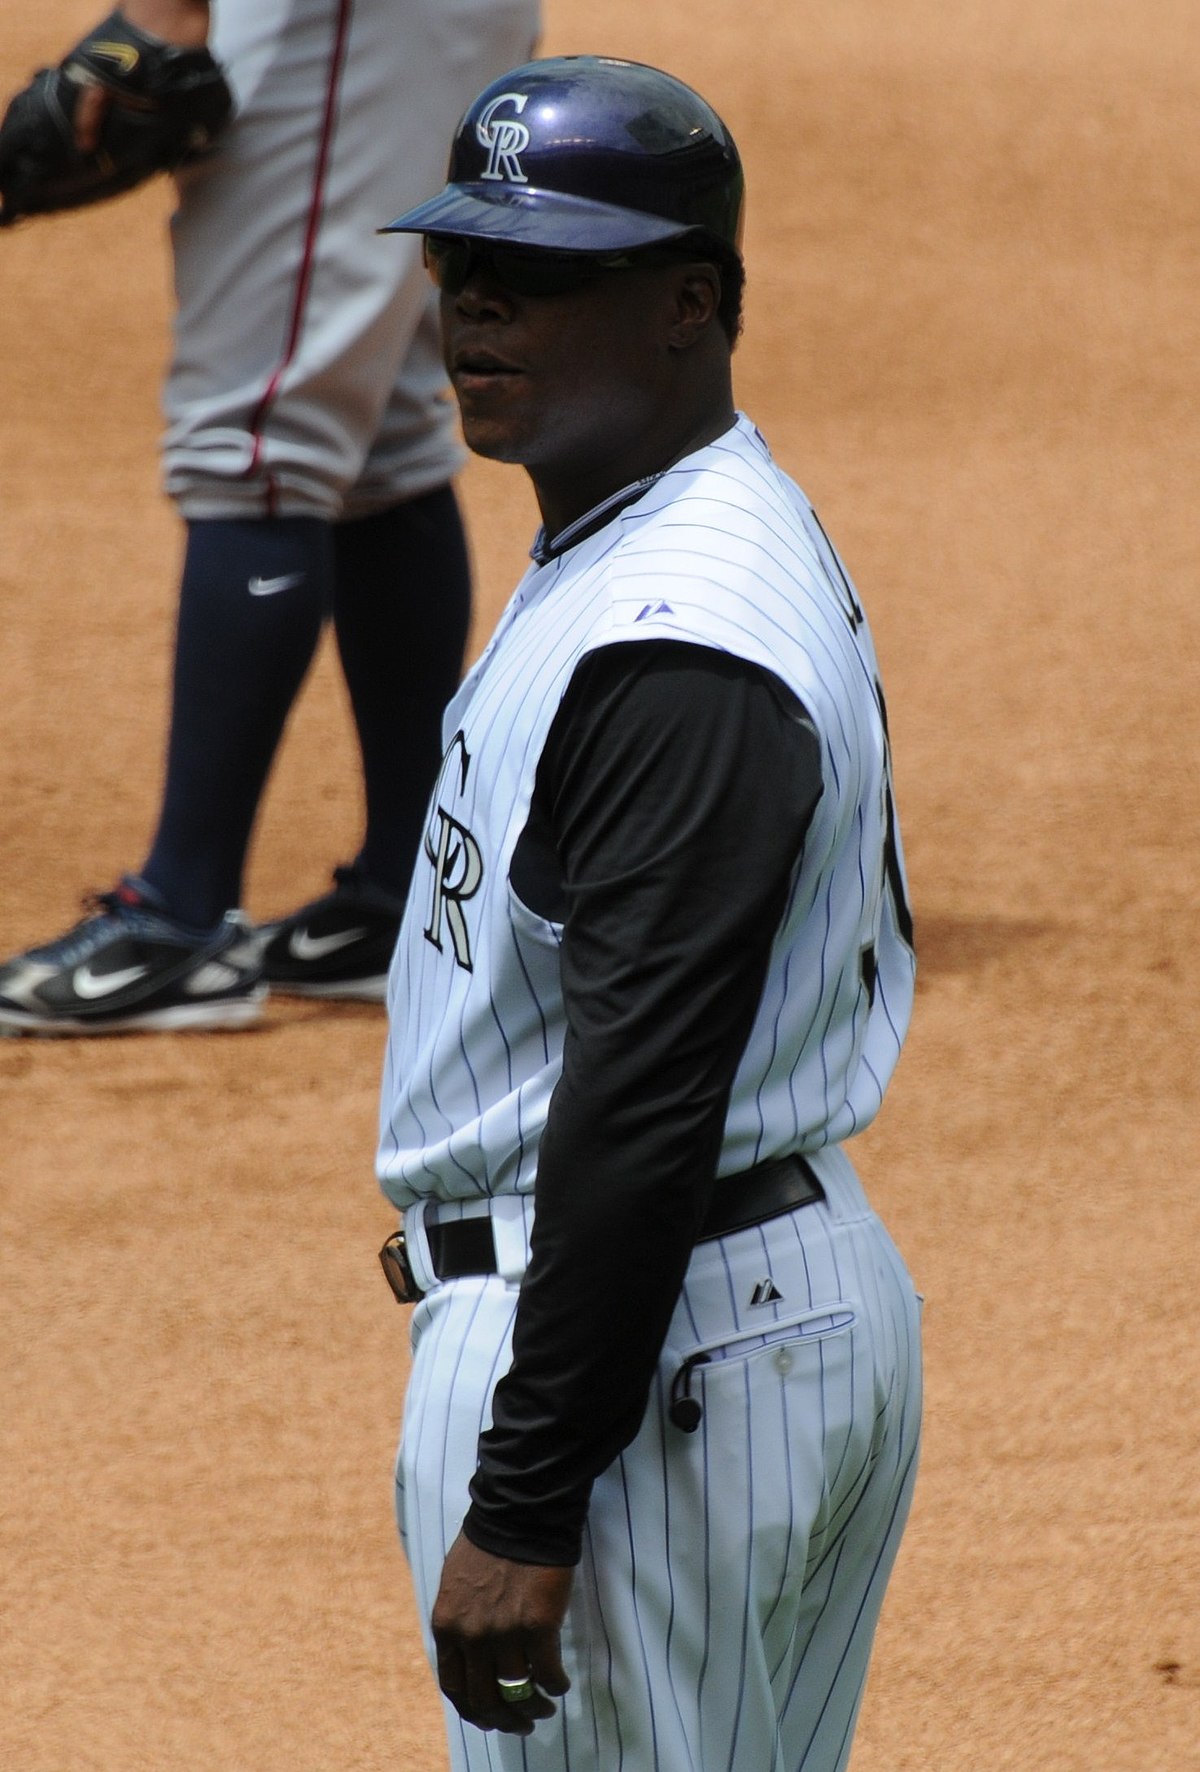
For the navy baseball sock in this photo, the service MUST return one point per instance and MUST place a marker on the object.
(402, 605)
(252, 601)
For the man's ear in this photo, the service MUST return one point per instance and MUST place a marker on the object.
(697, 299)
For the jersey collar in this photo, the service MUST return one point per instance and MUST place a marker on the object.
(545, 548)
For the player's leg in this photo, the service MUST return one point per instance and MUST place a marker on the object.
(296, 356)
(253, 596)
(402, 603)
(252, 601)
(402, 598)
(723, 1612)
(404, 592)
(271, 420)
(243, 240)
(819, 1685)
(733, 1574)
(461, 1340)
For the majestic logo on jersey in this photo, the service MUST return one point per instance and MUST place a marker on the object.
(455, 857)
(766, 1292)
(504, 138)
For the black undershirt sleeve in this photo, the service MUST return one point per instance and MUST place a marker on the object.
(670, 809)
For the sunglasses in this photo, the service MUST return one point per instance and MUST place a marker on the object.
(450, 260)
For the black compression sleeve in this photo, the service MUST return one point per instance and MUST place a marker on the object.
(671, 806)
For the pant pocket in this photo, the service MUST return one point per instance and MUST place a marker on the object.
(782, 1337)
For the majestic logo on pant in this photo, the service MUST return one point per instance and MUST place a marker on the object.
(455, 857)
(504, 138)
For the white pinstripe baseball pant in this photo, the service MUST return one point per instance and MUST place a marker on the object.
(723, 1613)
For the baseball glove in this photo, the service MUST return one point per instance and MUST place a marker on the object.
(164, 105)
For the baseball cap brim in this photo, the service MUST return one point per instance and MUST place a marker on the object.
(526, 216)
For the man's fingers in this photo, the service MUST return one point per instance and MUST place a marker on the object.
(471, 1682)
(90, 108)
(545, 1664)
(522, 1694)
(482, 1693)
(496, 1620)
(450, 1671)
(489, 1708)
(468, 1680)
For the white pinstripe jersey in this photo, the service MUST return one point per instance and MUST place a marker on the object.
(722, 550)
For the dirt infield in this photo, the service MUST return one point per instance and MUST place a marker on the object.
(973, 335)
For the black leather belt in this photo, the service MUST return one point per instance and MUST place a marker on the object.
(463, 1246)
(758, 1194)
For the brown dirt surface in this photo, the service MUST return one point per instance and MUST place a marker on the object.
(972, 335)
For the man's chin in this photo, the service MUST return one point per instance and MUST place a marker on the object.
(495, 442)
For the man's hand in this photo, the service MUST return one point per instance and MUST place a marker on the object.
(181, 22)
(124, 105)
(495, 1619)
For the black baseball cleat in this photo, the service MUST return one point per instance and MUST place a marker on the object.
(129, 968)
(337, 946)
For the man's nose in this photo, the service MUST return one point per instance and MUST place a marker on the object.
(482, 294)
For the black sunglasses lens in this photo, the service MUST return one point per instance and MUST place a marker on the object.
(544, 273)
(451, 260)
(448, 262)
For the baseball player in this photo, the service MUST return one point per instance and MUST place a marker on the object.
(310, 450)
(656, 965)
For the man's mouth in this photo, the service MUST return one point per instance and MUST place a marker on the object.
(480, 368)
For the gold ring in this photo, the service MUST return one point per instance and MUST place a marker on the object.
(516, 1691)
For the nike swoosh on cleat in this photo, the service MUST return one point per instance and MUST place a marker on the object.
(303, 946)
(267, 587)
(90, 985)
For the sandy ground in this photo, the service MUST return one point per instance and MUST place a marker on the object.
(972, 335)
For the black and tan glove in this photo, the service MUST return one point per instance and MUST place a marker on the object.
(164, 105)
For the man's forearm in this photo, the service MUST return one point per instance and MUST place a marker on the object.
(184, 22)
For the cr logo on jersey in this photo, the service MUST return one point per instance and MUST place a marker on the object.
(455, 856)
(504, 138)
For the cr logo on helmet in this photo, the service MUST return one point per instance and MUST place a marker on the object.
(504, 138)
